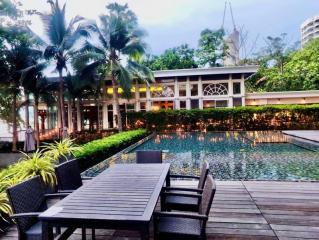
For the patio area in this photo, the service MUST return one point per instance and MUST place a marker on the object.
(247, 210)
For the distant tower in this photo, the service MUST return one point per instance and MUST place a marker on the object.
(232, 41)
(309, 30)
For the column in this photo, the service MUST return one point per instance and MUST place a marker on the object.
(176, 95)
(148, 99)
(230, 91)
(200, 92)
(70, 123)
(243, 90)
(78, 115)
(188, 94)
(137, 98)
(105, 116)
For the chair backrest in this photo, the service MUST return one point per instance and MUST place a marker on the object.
(27, 197)
(207, 196)
(203, 175)
(152, 156)
(68, 175)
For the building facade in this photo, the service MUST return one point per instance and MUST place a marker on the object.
(173, 89)
(309, 29)
(185, 89)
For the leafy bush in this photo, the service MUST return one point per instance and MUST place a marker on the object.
(277, 117)
(42, 163)
(96, 151)
(60, 149)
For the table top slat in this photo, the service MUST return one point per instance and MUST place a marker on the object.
(123, 192)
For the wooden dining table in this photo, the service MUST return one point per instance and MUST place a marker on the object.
(124, 196)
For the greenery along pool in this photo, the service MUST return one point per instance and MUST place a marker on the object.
(232, 156)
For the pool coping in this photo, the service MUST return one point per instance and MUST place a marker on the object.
(96, 168)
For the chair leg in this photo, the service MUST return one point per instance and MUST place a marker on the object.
(93, 234)
(58, 230)
(155, 229)
(83, 234)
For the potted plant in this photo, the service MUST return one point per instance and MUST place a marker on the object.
(61, 151)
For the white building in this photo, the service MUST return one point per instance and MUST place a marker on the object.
(173, 89)
(309, 29)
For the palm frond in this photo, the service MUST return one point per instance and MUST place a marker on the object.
(124, 78)
(140, 72)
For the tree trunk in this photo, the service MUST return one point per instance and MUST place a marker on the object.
(14, 122)
(36, 120)
(116, 112)
(61, 98)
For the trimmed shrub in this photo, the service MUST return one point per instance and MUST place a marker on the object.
(96, 151)
(270, 117)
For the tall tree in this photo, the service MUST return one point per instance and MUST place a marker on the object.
(17, 54)
(181, 57)
(62, 37)
(117, 37)
(211, 48)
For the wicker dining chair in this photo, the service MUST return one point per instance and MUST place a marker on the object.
(69, 179)
(181, 225)
(149, 156)
(184, 199)
(69, 176)
(28, 201)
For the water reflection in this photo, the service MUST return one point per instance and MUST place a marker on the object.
(234, 155)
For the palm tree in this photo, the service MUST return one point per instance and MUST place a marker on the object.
(17, 54)
(117, 36)
(77, 88)
(62, 38)
(35, 83)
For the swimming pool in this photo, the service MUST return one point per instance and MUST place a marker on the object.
(233, 156)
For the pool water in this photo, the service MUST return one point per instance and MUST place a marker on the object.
(232, 156)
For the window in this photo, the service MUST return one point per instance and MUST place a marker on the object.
(221, 103)
(182, 104)
(194, 104)
(130, 107)
(162, 91)
(236, 88)
(182, 90)
(194, 90)
(215, 89)
(143, 106)
(237, 102)
(209, 104)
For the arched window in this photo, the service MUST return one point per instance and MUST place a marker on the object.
(215, 89)
(165, 92)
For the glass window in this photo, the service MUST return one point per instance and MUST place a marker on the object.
(194, 104)
(221, 103)
(130, 107)
(182, 90)
(194, 90)
(209, 104)
(236, 88)
(237, 102)
(182, 104)
(143, 106)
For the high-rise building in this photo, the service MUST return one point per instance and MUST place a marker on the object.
(309, 29)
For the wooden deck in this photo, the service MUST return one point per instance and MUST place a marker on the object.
(249, 210)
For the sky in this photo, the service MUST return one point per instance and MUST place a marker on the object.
(170, 23)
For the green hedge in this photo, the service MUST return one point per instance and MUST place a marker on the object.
(270, 117)
(96, 151)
